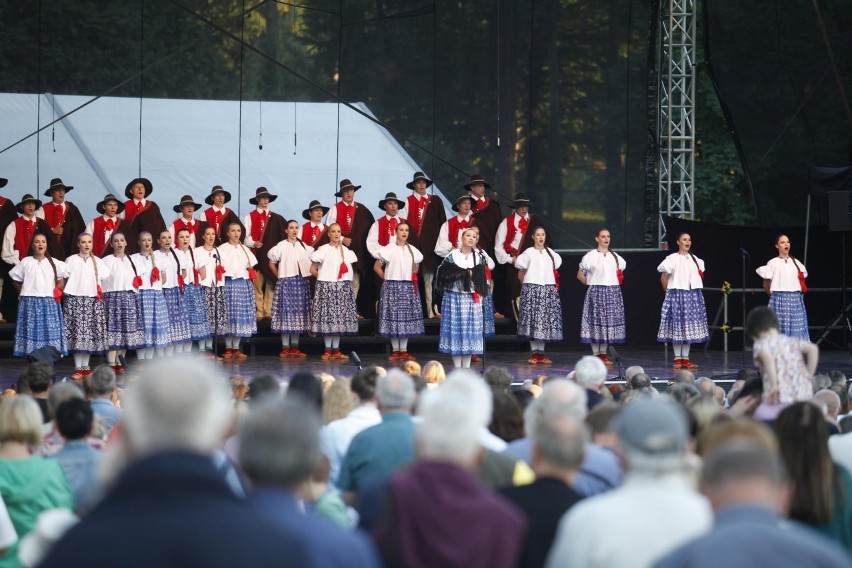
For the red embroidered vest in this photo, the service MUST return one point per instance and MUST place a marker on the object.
(511, 230)
(345, 217)
(99, 239)
(131, 209)
(309, 235)
(258, 224)
(215, 218)
(24, 231)
(53, 214)
(387, 227)
(453, 228)
(416, 208)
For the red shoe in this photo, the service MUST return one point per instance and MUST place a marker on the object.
(294, 352)
(476, 358)
(326, 355)
(338, 354)
(229, 352)
(237, 354)
(406, 356)
(87, 371)
(395, 356)
(687, 364)
(285, 353)
(605, 360)
(543, 360)
(78, 375)
(678, 363)
(533, 360)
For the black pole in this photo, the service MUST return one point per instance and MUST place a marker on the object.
(745, 256)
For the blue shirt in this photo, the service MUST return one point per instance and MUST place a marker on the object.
(378, 451)
(326, 545)
(80, 464)
(106, 410)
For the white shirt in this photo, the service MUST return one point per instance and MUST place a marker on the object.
(337, 435)
(329, 258)
(399, 260)
(635, 511)
(146, 265)
(121, 274)
(247, 222)
(500, 254)
(37, 276)
(210, 262)
(373, 235)
(198, 262)
(292, 258)
(463, 260)
(81, 275)
(539, 266)
(600, 267)
(90, 228)
(840, 446)
(8, 535)
(443, 246)
(168, 267)
(682, 271)
(9, 252)
(237, 259)
(784, 274)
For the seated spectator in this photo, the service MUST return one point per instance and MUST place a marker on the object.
(52, 441)
(830, 404)
(705, 385)
(433, 373)
(507, 420)
(841, 391)
(641, 381)
(74, 420)
(684, 376)
(168, 504)
(558, 447)
(378, 450)
(308, 387)
(656, 493)
(337, 401)
(411, 368)
(683, 392)
(101, 385)
(599, 424)
(631, 372)
(279, 445)
(325, 500)
(590, 376)
(719, 396)
(436, 513)
(38, 377)
(29, 484)
(821, 381)
(263, 387)
(498, 378)
(744, 482)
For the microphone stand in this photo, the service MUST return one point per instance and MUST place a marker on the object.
(617, 358)
(484, 325)
(216, 305)
(745, 258)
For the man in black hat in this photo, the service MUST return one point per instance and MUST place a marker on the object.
(7, 216)
(355, 221)
(264, 230)
(449, 235)
(384, 228)
(425, 215)
(187, 208)
(19, 234)
(487, 216)
(108, 222)
(142, 213)
(220, 217)
(65, 221)
(514, 236)
(314, 228)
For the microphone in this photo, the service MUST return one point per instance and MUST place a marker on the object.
(744, 252)
(354, 359)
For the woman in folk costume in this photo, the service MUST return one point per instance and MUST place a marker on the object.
(460, 286)
(603, 311)
(684, 317)
(333, 313)
(39, 279)
(193, 295)
(400, 312)
(784, 281)
(152, 303)
(85, 316)
(173, 267)
(213, 289)
(539, 307)
(290, 262)
(240, 272)
(121, 301)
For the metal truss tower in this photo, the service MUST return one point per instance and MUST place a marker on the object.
(676, 127)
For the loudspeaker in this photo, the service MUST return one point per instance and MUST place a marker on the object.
(839, 215)
(47, 354)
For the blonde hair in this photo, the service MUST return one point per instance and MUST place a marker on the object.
(433, 372)
(411, 367)
(20, 420)
(337, 400)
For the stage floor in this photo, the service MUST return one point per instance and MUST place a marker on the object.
(656, 362)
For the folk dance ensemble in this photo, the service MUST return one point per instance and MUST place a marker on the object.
(121, 302)
(85, 316)
(239, 263)
(40, 279)
(213, 290)
(602, 270)
(152, 303)
(784, 281)
(333, 311)
(684, 317)
(539, 307)
(290, 262)
(460, 286)
(193, 295)
(400, 311)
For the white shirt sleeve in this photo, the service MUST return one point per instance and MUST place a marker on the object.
(247, 222)
(443, 246)
(373, 240)
(9, 254)
(502, 256)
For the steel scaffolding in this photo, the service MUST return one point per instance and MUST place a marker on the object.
(676, 127)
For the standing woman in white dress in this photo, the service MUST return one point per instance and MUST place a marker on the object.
(290, 262)
(213, 287)
(400, 311)
(333, 313)
(173, 267)
(603, 311)
(684, 317)
(193, 296)
(539, 308)
(152, 303)
(784, 281)
(121, 300)
(82, 302)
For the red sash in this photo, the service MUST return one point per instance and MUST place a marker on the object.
(345, 217)
(416, 209)
(511, 230)
(387, 227)
(23, 235)
(258, 224)
(453, 228)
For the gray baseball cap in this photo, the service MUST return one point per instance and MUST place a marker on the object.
(654, 426)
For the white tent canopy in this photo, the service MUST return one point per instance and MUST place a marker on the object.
(188, 146)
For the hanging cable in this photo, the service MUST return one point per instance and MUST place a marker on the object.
(295, 104)
(240, 127)
(38, 98)
(434, 89)
(53, 121)
(260, 136)
(339, 81)
(141, 76)
(498, 72)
